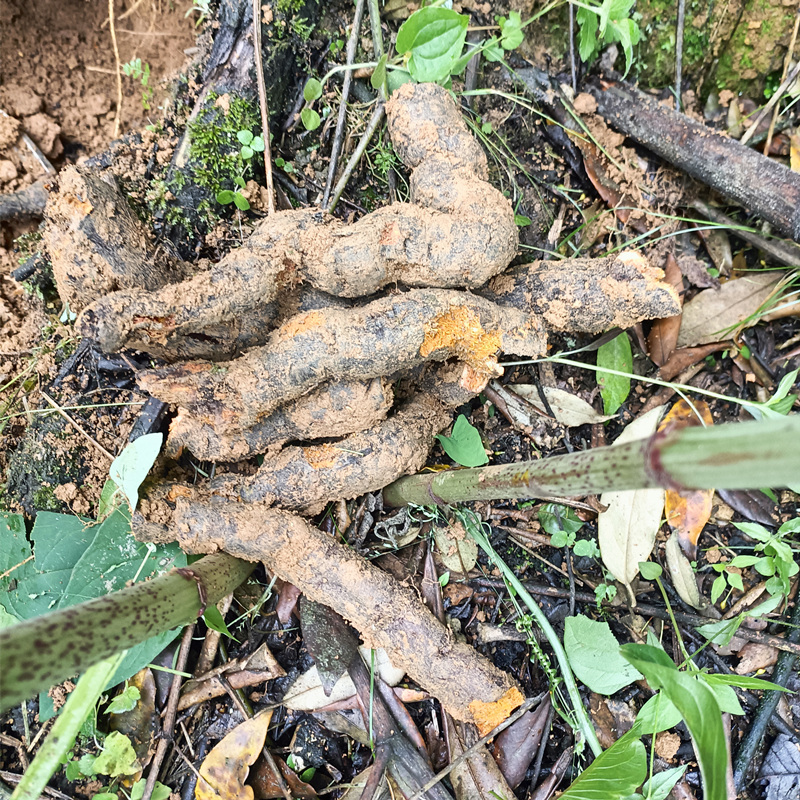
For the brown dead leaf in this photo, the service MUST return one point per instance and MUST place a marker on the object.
(663, 334)
(515, 748)
(754, 657)
(226, 767)
(265, 786)
(687, 511)
(714, 314)
(686, 357)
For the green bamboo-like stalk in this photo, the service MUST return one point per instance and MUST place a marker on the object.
(46, 650)
(746, 455)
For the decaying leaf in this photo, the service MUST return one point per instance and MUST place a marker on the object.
(714, 314)
(307, 693)
(458, 551)
(568, 409)
(626, 531)
(688, 511)
(226, 767)
(682, 574)
(663, 334)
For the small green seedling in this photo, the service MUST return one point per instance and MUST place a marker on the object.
(777, 563)
(729, 574)
(228, 196)
(202, 8)
(140, 72)
(562, 523)
(250, 144)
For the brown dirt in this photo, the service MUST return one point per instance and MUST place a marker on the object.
(58, 85)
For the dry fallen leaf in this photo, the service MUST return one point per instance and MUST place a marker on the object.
(714, 314)
(458, 552)
(688, 511)
(568, 409)
(226, 767)
(682, 574)
(754, 657)
(626, 531)
(664, 332)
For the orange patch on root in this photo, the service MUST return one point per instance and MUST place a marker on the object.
(322, 456)
(489, 715)
(302, 323)
(459, 330)
(82, 207)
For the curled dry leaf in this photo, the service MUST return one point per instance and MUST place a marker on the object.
(626, 531)
(458, 551)
(663, 334)
(225, 769)
(682, 574)
(714, 314)
(568, 409)
(688, 511)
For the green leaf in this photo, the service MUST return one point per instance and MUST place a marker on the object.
(247, 152)
(312, 90)
(743, 682)
(239, 181)
(511, 31)
(720, 633)
(124, 701)
(160, 792)
(464, 444)
(627, 33)
(726, 697)
(118, 757)
(650, 570)
(435, 38)
(105, 796)
(129, 469)
(240, 201)
(588, 42)
(257, 144)
(562, 539)
(614, 389)
(379, 74)
(613, 775)
(717, 588)
(244, 137)
(656, 715)
(225, 197)
(216, 622)
(697, 704)
(586, 548)
(555, 518)
(492, 50)
(660, 785)
(593, 653)
(395, 78)
(310, 119)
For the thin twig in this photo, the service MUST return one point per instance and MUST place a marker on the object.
(786, 63)
(372, 126)
(375, 27)
(573, 66)
(170, 713)
(118, 66)
(262, 102)
(523, 709)
(779, 93)
(679, 53)
(77, 427)
(338, 137)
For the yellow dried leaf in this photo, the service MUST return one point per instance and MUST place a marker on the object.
(688, 512)
(226, 767)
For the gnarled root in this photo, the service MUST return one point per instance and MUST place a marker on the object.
(458, 231)
(587, 294)
(334, 410)
(381, 338)
(386, 613)
(306, 479)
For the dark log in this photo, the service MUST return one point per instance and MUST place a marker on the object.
(761, 185)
